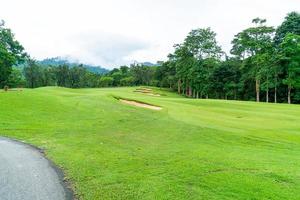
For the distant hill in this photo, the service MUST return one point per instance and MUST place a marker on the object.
(150, 64)
(61, 61)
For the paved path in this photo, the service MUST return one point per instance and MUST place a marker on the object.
(26, 175)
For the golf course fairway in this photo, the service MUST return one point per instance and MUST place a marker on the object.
(184, 149)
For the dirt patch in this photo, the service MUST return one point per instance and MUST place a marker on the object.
(139, 104)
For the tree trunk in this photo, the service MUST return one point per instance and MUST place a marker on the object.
(187, 89)
(275, 95)
(275, 92)
(197, 95)
(190, 91)
(235, 94)
(267, 92)
(179, 86)
(257, 89)
(289, 95)
(207, 96)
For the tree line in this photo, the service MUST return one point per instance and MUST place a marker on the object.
(34, 75)
(263, 65)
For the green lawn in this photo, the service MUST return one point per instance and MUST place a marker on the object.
(191, 149)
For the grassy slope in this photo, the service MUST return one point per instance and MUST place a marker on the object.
(192, 149)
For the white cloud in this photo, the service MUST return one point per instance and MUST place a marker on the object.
(96, 47)
(115, 32)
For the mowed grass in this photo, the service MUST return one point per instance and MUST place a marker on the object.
(191, 149)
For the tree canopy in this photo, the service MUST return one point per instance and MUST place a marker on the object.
(11, 53)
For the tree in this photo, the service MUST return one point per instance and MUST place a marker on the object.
(251, 44)
(290, 49)
(225, 79)
(202, 44)
(91, 79)
(183, 60)
(269, 70)
(33, 74)
(16, 78)
(62, 75)
(201, 73)
(11, 53)
(127, 81)
(142, 74)
(6, 63)
(291, 24)
(202, 56)
(106, 81)
(49, 76)
(124, 70)
(165, 74)
(191, 63)
(77, 76)
(117, 76)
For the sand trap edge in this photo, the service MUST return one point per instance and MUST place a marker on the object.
(138, 103)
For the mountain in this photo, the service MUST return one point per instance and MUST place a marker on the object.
(150, 64)
(63, 61)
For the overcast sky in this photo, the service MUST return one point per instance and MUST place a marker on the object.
(115, 32)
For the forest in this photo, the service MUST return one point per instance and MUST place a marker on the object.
(263, 65)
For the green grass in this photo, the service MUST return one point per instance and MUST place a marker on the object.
(192, 149)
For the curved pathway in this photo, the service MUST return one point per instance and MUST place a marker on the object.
(25, 174)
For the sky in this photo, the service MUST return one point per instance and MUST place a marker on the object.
(111, 33)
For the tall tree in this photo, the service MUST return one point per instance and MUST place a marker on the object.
(33, 74)
(290, 48)
(165, 74)
(62, 75)
(291, 24)
(77, 76)
(251, 44)
(142, 74)
(16, 78)
(225, 79)
(202, 44)
(49, 76)
(199, 47)
(183, 60)
(11, 53)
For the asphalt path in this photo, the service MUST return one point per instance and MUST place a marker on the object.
(25, 174)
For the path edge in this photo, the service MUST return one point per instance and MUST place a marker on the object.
(65, 183)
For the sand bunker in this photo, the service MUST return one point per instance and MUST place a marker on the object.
(147, 91)
(138, 104)
(155, 95)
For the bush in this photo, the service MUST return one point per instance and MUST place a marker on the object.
(6, 88)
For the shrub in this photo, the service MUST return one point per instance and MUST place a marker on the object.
(6, 88)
